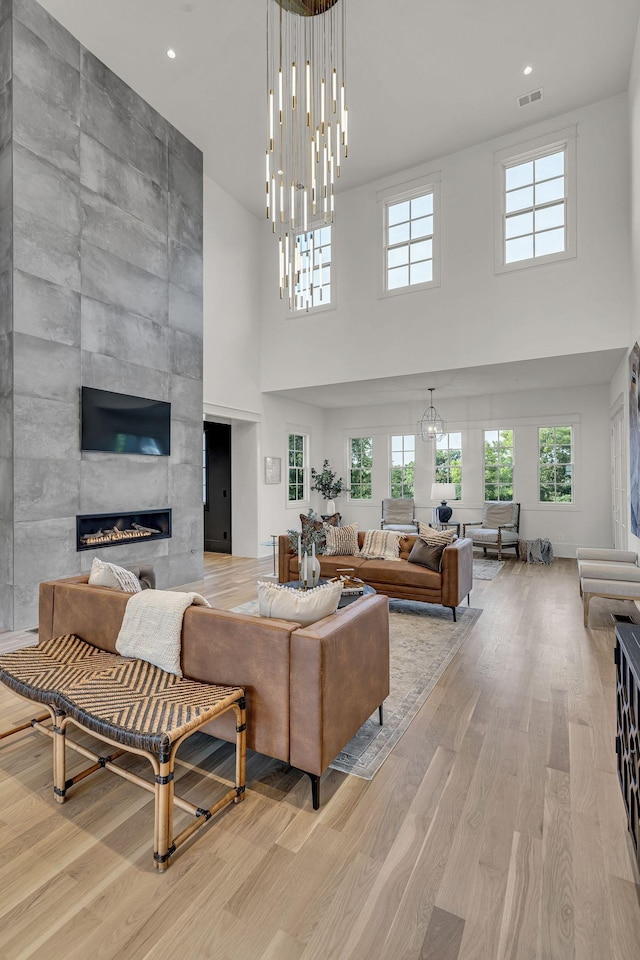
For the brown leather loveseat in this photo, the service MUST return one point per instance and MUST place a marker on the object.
(309, 689)
(397, 578)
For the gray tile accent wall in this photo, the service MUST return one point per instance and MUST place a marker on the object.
(102, 247)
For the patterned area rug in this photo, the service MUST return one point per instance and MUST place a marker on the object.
(423, 641)
(486, 569)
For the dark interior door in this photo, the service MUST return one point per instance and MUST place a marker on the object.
(217, 508)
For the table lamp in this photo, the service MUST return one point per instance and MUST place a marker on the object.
(443, 492)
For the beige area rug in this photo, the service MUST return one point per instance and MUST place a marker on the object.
(423, 641)
(486, 569)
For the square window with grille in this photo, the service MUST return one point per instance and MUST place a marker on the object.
(498, 464)
(403, 456)
(556, 464)
(361, 465)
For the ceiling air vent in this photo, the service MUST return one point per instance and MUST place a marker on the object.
(531, 97)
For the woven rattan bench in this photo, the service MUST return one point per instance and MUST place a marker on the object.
(131, 705)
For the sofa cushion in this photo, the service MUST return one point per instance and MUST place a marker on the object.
(342, 541)
(304, 606)
(400, 574)
(483, 535)
(333, 566)
(427, 554)
(436, 536)
(381, 544)
(498, 514)
(104, 574)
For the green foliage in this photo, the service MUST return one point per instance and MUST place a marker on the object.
(402, 481)
(361, 465)
(498, 465)
(556, 468)
(327, 482)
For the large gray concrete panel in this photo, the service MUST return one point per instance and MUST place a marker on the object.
(110, 122)
(47, 429)
(47, 131)
(113, 229)
(45, 369)
(107, 175)
(5, 53)
(185, 311)
(6, 181)
(6, 365)
(43, 249)
(119, 93)
(6, 427)
(40, 22)
(181, 147)
(6, 114)
(185, 181)
(47, 310)
(45, 549)
(185, 268)
(6, 9)
(123, 482)
(185, 225)
(54, 80)
(110, 373)
(6, 302)
(108, 278)
(187, 568)
(6, 606)
(6, 488)
(6, 552)
(45, 489)
(186, 355)
(113, 332)
(42, 189)
(186, 442)
(186, 399)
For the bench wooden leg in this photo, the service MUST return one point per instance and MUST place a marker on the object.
(163, 821)
(586, 598)
(59, 757)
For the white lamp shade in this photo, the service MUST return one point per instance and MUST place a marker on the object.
(443, 491)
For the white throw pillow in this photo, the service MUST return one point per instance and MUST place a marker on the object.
(304, 606)
(341, 541)
(430, 535)
(381, 545)
(105, 574)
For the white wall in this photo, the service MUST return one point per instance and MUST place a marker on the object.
(569, 307)
(586, 522)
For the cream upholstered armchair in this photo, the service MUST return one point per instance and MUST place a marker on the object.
(497, 529)
(398, 514)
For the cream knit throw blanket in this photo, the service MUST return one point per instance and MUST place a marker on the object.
(152, 627)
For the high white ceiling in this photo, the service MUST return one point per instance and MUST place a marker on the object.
(425, 78)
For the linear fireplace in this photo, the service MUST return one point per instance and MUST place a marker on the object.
(113, 529)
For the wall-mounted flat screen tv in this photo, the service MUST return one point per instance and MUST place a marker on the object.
(118, 423)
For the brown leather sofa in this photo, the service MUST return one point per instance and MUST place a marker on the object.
(309, 690)
(397, 578)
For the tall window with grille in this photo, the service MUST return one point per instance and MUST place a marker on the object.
(312, 282)
(556, 464)
(360, 468)
(403, 456)
(498, 464)
(409, 241)
(297, 467)
(535, 207)
(449, 461)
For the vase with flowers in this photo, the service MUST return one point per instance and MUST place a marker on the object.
(327, 483)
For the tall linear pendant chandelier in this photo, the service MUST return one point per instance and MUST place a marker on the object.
(307, 133)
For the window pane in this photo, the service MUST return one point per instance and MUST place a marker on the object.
(422, 206)
(490, 492)
(550, 217)
(455, 441)
(398, 278)
(519, 225)
(519, 199)
(399, 234)
(422, 272)
(323, 235)
(550, 190)
(550, 242)
(520, 249)
(519, 176)
(422, 227)
(398, 256)
(398, 212)
(421, 250)
(397, 458)
(550, 166)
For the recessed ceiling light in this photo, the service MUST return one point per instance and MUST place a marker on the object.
(527, 71)
(171, 53)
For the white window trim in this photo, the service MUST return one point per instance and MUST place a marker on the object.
(321, 307)
(500, 429)
(555, 504)
(519, 153)
(359, 500)
(407, 191)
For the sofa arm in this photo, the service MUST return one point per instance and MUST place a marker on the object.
(339, 676)
(457, 571)
(284, 556)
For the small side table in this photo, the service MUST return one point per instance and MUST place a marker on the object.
(449, 525)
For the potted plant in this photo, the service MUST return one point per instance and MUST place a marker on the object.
(328, 484)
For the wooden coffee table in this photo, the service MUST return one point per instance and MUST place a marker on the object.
(367, 591)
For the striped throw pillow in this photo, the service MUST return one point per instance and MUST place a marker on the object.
(342, 541)
(429, 535)
(381, 545)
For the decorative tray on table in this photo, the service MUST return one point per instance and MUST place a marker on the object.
(351, 586)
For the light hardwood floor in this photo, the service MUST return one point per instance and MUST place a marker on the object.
(495, 829)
